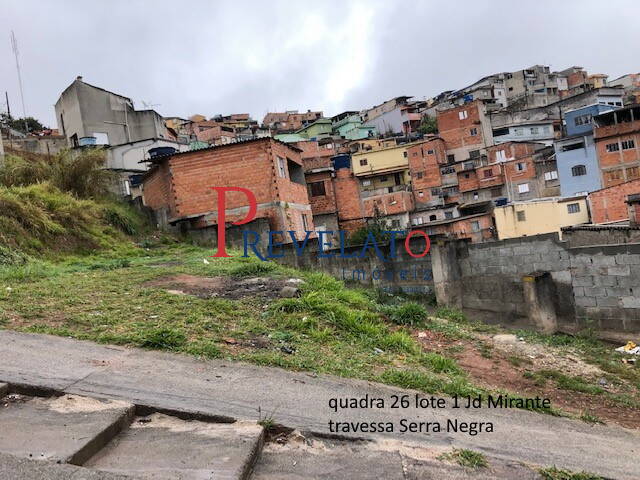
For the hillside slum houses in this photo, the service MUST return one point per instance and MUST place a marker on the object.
(514, 154)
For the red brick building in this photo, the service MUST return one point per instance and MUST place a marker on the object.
(351, 214)
(425, 161)
(611, 204)
(466, 131)
(178, 186)
(617, 138)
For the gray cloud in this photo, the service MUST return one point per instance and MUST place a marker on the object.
(216, 57)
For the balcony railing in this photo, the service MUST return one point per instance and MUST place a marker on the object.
(385, 190)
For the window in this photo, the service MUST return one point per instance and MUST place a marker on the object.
(553, 175)
(573, 208)
(475, 226)
(447, 170)
(521, 216)
(305, 225)
(488, 173)
(282, 168)
(628, 144)
(421, 194)
(419, 174)
(462, 115)
(534, 130)
(582, 120)
(448, 214)
(432, 218)
(366, 183)
(451, 158)
(395, 223)
(363, 162)
(496, 192)
(612, 147)
(476, 196)
(501, 156)
(473, 132)
(383, 179)
(429, 152)
(578, 170)
(404, 154)
(523, 188)
(474, 154)
(521, 166)
(317, 189)
(518, 132)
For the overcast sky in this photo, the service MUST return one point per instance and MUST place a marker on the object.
(257, 56)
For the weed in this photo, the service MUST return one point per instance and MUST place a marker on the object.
(253, 268)
(162, 338)
(452, 314)
(409, 313)
(565, 382)
(485, 350)
(590, 418)
(439, 364)
(518, 361)
(466, 458)
(553, 473)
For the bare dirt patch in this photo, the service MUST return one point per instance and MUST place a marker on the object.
(499, 372)
(226, 287)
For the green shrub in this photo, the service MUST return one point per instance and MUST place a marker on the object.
(409, 313)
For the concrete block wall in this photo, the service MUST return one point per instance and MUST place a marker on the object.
(594, 286)
(606, 286)
(491, 275)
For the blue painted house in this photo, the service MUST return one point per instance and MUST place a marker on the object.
(578, 168)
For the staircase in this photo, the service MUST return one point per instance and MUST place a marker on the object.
(71, 436)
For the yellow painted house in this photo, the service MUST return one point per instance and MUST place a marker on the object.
(542, 215)
(379, 161)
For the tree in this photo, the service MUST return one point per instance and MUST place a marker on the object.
(428, 125)
(24, 125)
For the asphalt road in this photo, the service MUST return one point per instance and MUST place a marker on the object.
(301, 400)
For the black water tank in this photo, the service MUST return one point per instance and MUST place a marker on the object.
(160, 151)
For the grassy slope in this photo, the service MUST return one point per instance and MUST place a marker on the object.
(333, 329)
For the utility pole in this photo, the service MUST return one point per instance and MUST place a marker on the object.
(14, 46)
(1, 152)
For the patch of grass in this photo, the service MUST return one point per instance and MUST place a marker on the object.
(518, 361)
(566, 382)
(254, 268)
(409, 313)
(485, 349)
(162, 338)
(553, 473)
(451, 314)
(439, 364)
(466, 458)
(590, 418)
(451, 330)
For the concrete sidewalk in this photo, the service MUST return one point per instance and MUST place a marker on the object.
(230, 390)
